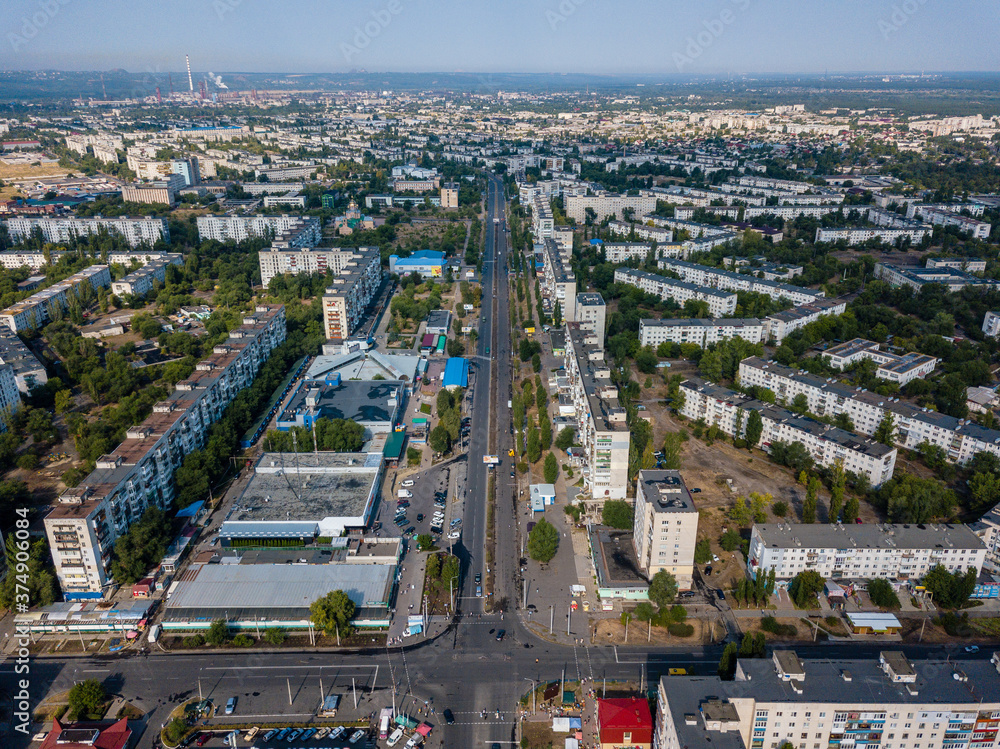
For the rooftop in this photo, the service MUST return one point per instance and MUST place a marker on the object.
(363, 401)
(869, 536)
(666, 491)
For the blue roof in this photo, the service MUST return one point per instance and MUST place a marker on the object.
(596, 241)
(427, 255)
(456, 372)
(191, 510)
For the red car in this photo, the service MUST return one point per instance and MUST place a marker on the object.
(203, 739)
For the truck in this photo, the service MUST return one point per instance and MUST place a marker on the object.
(154, 633)
(383, 722)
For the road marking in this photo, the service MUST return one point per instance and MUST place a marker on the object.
(95, 670)
(255, 717)
(262, 668)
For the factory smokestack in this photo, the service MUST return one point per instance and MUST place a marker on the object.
(187, 59)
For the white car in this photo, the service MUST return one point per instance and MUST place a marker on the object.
(454, 535)
(715, 557)
(395, 737)
(357, 736)
(407, 483)
(415, 740)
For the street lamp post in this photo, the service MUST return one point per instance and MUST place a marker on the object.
(533, 682)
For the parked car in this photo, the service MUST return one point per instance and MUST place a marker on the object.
(308, 734)
(696, 490)
(269, 735)
(479, 578)
(407, 483)
(411, 529)
(479, 591)
(971, 648)
(394, 737)
(337, 732)
(687, 594)
(449, 717)
(357, 736)
(230, 705)
(282, 734)
(715, 557)
(454, 535)
(321, 733)
(293, 735)
(420, 517)
(203, 738)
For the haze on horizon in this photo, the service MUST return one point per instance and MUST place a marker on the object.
(637, 37)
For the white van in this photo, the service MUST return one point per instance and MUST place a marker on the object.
(395, 737)
(404, 494)
(408, 482)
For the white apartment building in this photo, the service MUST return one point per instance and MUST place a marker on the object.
(29, 372)
(913, 276)
(886, 702)
(210, 133)
(686, 212)
(591, 313)
(159, 191)
(968, 264)
(780, 324)
(449, 195)
(558, 281)
(542, 223)
(10, 395)
(291, 199)
(991, 324)
(853, 235)
(621, 252)
(601, 425)
(826, 444)
(704, 275)
(959, 438)
(139, 473)
(32, 260)
(350, 292)
(664, 238)
(770, 183)
(135, 231)
(699, 332)
(287, 172)
(277, 261)
(943, 217)
(790, 212)
(891, 367)
(140, 282)
(38, 309)
(296, 231)
(914, 207)
(606, 204)
(849, 551)
(720, 303)
(665, 527)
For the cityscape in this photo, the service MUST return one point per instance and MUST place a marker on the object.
(572, 375)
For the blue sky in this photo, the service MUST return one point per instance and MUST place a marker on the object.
(619, 37)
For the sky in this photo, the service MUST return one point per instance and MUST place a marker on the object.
(602, 37)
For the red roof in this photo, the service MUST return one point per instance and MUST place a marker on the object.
(109, 735)
(617, 717)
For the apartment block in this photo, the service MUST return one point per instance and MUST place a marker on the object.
(896, 368)
(780, 324)
(542, 223)
(591, 313)
(704, 275)
(826, 444)
(38, 309)
(790, 212)
(720, 303)
(687, 212)
(29, 372)
(156, 192)
(135, 231)
(854, 235)
(991, 324)
(287, 231)
(558, 281)
(621, 252)
(968, 264)
(665, 528)
(663, 237)
(954, 279)
(606, 204)
(286, 172)
(10, 396)
(140, 282)
(601, 426)
(699, 332)
(959, 438)
(31, 260)
(887, 702)
(139, 473)
(449, 195)
(350, 292)
(943, 217)
(849, 551)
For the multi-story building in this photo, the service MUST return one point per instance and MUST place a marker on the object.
(38, 309)
(853, 235)
(942, 216)
(591, 313)
(606, 204)
(287, 172)
(350, 292)
(954, 279)
(704, 275)
(780, 324)
(449, 195)
(687, 212)
(161, 191)
(287, 231)
(699, 332)
(139, 473)
(10, 396)
(790, 212)
(542, 222)
(900, 369)
(31, 260)
(212, 133)
(991, 324)
(140, 282)
(720, 303)
(968, 264)
(558, 281)
(826, 444)
(912, 426)
(416, 185)
(292, 199)
(849, 551)
(29, 372)
(665, 527)
(135, 231)
(663, 237)
(621, 252)
(601, 425)
(886, 702)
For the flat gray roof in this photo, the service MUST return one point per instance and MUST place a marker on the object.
(290, 490)
(666, 491)
(366, 402)
(869, 536)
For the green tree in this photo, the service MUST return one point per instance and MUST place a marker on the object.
(534, 442)
(425, 541)
(755, 428)
(950, 590)
(663, 589)
(811, 500)
(644, 611)
(175, 730)
(86, 700)
(433, 567)
(838, 483)
(886, 430)
(275, 636)
(672, 445)
(333, 613)
(218, 633)
(727, 664)
(142, 547)
(440, 439)
(551, 468)
(804, 588)
(882, 595)
(565, 439)
(617, 513)
(543, 541)
(800, 404)
(703, 551)
(851, 510)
